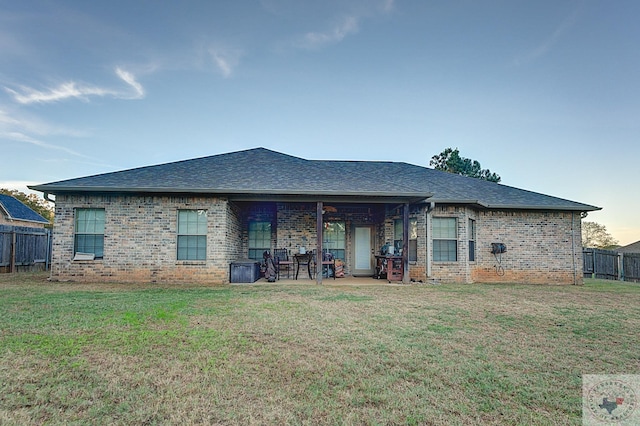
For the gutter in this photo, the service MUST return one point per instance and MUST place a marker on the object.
(225, 191)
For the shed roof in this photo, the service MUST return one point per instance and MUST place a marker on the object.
(630, 248)
(17, 210)
(260, 172)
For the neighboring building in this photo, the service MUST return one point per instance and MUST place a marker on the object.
(187, 221)
(15, 212)
(631, 248)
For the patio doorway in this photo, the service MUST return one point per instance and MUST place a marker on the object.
(363, 251)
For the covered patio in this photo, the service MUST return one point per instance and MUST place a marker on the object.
(351, 230)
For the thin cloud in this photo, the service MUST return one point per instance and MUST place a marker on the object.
(547, 45)
(30, 125)
(348, 25)
(130, 79)
(72, 90)
(225, 60)
(22, 138)
(336, 34)
(26, 130)
(387, 5)
(62, 92)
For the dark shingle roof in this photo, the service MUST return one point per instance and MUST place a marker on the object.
(631, 248)
(452, 188)
(17, 210)
(261, 171)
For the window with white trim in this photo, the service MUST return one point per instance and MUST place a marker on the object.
(192, 235)
(445, 239)
(89, 232)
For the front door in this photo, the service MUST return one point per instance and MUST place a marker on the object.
(363, 251)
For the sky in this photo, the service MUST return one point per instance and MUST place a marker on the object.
(545, 93)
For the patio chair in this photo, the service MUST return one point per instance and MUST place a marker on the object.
(282, 261)
(330, 262)
(306, 260)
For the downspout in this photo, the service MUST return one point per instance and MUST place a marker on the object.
(432, 205)
(47, 263)
(405, 244)
(45, 195)
(573, 248)
(319, 237)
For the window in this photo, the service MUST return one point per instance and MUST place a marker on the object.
(259, 239)
(472, 240)
(334, 239)
(89, 237)
(413, 237)
(445, 243)
(192, 234)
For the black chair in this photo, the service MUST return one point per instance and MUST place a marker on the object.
(330, 262)
(308, 260)
(282, 261)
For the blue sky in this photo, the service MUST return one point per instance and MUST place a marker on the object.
(545, 93)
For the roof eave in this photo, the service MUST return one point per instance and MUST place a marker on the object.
(236, 193)
(577, 208)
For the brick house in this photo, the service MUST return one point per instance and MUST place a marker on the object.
(187, 221)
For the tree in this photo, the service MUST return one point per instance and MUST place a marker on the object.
(37, 204)
(595, 235)
(450, 161)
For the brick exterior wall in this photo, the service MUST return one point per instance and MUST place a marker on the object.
(543, 247)
(140, 241)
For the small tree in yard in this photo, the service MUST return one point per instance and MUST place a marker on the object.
(450, 161)
(595, 235)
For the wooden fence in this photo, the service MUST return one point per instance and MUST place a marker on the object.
(611, 265)
(24, 248)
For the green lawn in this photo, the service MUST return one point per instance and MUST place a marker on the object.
(307, 354)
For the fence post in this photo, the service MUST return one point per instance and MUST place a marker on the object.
(47, 261)
(12, 251)
(620, 266)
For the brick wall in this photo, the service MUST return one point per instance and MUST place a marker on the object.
(543, 247)
(296, 226)
(140, 241)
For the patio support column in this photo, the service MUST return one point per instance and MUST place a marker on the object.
(319, 238)
(405, 244)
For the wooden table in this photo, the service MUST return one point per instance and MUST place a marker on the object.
(389, 267)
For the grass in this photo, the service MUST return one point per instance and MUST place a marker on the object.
(274, 354)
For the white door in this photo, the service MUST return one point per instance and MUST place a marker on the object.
(363, 254)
